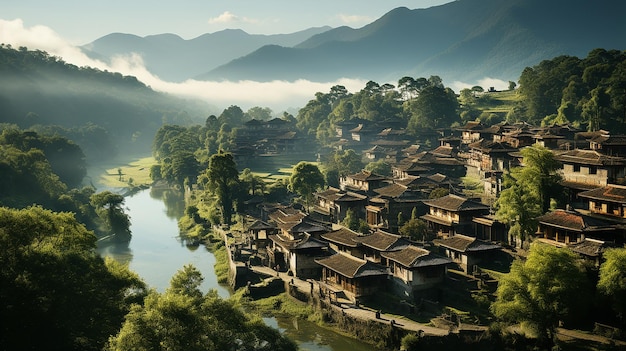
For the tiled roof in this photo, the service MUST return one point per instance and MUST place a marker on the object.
(455, 203)
(330, 194)
(464, 243)
(610, 139)
(488, 146)
(590, 247)
(259, 225)
(590, 157)
(392, 190)
(609, 193)
(366, 175)
(472, 125)
(343, 236)
(383, 241)
(306, 242)
(415, 257)
(352, 267)
(573, 221)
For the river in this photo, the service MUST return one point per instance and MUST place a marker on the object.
(156, 252)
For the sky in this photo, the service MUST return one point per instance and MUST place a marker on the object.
(83, 21)
(58, 27)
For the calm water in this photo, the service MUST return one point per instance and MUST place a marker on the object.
(156, 252)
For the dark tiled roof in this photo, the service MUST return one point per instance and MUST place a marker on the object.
(306, 242)
(488, 146)
(610, 139)
(609, 193)
(590, 247)
(590, 157)
(392, 190)
(259, 225)
(472, 125)
(464, 243)
(352, 267)
(343, 236)
(330, 194)
(455, 203)
(574, 221)
(415, 257)
(383, 241)
(366, 175)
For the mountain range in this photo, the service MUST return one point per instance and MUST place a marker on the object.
(464, 40)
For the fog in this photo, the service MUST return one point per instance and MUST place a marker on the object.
(277, 95)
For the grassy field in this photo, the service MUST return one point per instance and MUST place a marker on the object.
(497, 102)
(136, 172)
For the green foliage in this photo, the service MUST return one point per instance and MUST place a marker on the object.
(351, 221)
(305, 179)
(110, 209)
(379, 167)
(550, 286)
(438, 192)
(415, 228)
(612, 279)
(340, 164)
(222, 179)
(52, 281)
(184, 319)
(435, 107)
(587, 91)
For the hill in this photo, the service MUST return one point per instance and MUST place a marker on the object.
(103, 112)
(463, 40)
(173, 58)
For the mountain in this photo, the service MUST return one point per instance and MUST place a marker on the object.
(173, 58)
(104, 112)
(462, 40)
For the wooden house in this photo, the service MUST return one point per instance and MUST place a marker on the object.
(467, 251)
(378, 242)
(345, 240)
(356, 277)
(259, 233)
(392, 200)
(414, 269)
(363, 182)
(563, 227)
(332, 205)
(297, 254)
(452, 214)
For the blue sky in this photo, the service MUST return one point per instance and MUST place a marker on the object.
(82, 21)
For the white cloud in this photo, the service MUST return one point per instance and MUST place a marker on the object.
(354, 19)
(278, 95)
(229, 17)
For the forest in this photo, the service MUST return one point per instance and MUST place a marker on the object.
(53, 281)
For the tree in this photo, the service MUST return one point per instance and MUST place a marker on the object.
(435, 107)
(379, 167)
(414, 228)
(223, 177)
(232, 116)
(438, 192)
(543, 290)
(52, 282)
(612, 279)
(260, 113)
(305, 179)
(351, 221)
(110, 209)
(183, 319)
(340, 164)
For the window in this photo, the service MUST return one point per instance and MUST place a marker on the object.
(593, 170)
(576, 168)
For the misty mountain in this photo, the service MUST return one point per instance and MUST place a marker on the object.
(104, 112)
(463, 40)
(173, 58)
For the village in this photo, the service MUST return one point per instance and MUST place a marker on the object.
(465, 243)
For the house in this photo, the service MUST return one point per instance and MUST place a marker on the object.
(591, 250)
(471, 132)
(392, 201)
(588, 169)
(612, 145)
(345, 240)
(356, 277)
(297, 255)
(415, 269)
(332, 205)
(564, 227)
(363, 182)
(488, 228)
(467, 251)
(486, 156)
(259, 232)
(608, 201)
(378, 242)
(452, 214)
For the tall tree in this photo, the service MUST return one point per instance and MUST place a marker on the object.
(223, 178)
(57, 293)
(305, 179)
(435, 107)
(543, 290)
(612, 282)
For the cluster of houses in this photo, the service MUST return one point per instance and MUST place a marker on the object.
(465, 232)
